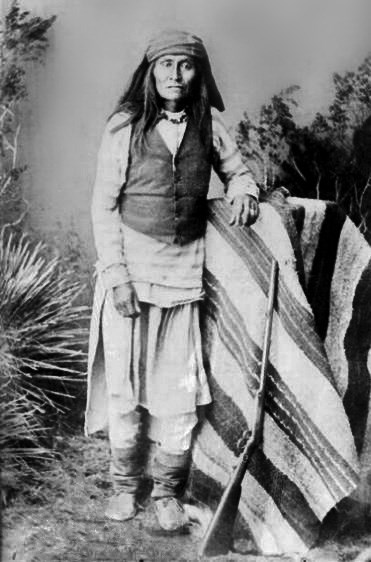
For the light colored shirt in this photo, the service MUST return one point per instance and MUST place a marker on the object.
(163, 274)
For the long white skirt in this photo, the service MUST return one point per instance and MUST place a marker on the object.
(155, 360)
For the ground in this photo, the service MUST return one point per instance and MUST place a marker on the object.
(63, 521)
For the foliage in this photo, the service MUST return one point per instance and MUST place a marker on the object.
(23, 43)
(265, 143)
(330, 158)
(43, 330)
(21, 437)
(42, 337)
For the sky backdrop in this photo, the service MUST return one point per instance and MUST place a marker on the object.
(257, 47)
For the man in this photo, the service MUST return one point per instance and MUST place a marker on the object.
(149, 217)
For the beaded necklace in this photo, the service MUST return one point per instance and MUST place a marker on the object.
(174, 117)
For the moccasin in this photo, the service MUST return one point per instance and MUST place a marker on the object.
(170, 514)
(121, 507)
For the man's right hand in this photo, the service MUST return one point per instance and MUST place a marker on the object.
(126, 300)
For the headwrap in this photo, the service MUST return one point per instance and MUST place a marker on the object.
(174, 42)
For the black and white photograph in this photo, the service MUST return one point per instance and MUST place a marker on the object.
(185, 280)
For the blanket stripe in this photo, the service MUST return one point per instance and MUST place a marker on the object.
(293, 217)
(289, 502)
(286, 495)
(314, 214)
(257, 256)
(320, 279)
(281, 404)
(301, 367)
(257, 509)
(339, 291)
(357, 344)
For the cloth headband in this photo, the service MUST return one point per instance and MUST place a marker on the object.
(175, 43)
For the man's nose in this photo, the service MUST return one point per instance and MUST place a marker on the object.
(175, 72)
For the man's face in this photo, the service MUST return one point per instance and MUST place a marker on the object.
(174, 77)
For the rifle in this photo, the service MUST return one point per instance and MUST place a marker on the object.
(219, 535)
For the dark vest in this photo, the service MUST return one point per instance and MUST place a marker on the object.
(166, 198)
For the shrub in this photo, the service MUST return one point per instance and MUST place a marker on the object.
(43, 335)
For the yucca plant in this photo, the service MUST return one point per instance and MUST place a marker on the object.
(43, 336)
(21, 437)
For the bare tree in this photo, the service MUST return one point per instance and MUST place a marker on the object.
(23, 42)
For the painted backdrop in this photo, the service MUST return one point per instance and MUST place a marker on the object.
(257, 47)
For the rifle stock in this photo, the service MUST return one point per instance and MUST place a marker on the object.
(219, 535)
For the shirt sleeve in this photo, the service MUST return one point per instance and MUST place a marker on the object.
(228, 164)
(110, 175)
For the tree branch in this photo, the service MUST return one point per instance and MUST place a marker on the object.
(19, 219)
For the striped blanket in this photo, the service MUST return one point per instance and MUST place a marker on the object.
(318, 392)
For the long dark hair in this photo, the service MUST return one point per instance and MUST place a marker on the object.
(143, 105)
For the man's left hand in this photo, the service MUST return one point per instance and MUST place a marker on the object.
(245, 210)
